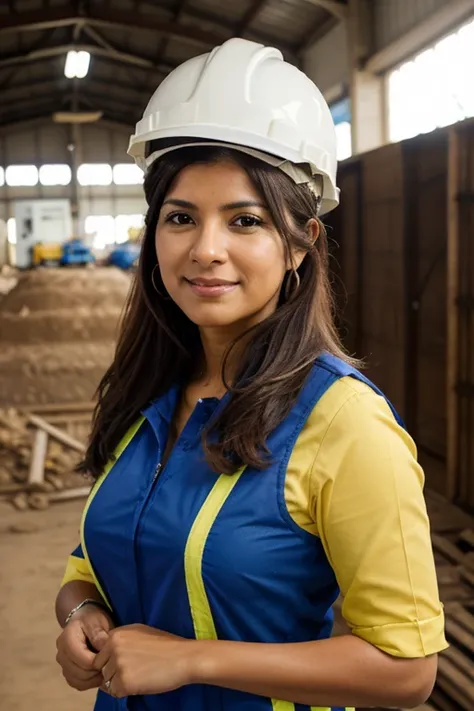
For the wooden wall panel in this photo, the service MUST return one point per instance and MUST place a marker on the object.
(382, 307)
(405, 258)
(344, 227)
(465, 307)
(425, 166)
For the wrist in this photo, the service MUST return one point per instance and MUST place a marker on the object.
(203, 665)
(86, 607)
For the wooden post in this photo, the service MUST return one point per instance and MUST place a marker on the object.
(38, 456)
(452, 315)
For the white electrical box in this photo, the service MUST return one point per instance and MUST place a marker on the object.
(47, 221)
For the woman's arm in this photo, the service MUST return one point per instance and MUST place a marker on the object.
(72, 594)
(344, 671)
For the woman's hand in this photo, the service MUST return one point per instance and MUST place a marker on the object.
(142, 660)
(88, 629)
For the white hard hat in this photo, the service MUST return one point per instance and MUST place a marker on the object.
(245, 96)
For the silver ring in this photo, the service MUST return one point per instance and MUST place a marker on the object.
(107, 684)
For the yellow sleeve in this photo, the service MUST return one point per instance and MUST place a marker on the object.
(367, 502)
(77, 568)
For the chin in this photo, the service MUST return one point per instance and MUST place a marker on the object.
(213, 317)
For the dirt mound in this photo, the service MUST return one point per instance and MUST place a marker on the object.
(57, 333)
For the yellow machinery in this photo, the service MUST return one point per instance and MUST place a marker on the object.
(44, 253)
(135, 234)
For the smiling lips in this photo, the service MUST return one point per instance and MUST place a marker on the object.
(211, 287)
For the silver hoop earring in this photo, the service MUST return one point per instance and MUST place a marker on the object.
(165, 298)
(290, 289)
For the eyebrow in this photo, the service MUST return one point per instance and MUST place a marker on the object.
(222, 208)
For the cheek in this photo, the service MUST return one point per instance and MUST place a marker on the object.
(168, 254)
(263, 262)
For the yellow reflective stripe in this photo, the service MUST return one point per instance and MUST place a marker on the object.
(124, 442)
(287, 706)
(201, 614)
(282, 705)
(204, 627)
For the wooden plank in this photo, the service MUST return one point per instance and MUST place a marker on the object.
(38, 456)
(8, 489)
(67, 418)
(468, 537)
(69, 494)
(452, 315)
(467, 575)
(57, 434)
(469, 561)
(461, 615)
(447, 548)
(58, 408)
(460, 660)
(448, 575)
(442, 701)
(455, 684)
(458, 633)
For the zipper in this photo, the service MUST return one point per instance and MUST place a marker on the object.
(157, 473)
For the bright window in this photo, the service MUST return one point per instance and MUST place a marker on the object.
(123, 223)
(102, 228)
(55, 174)
(94, 174)
(21, 175)
(434, 89)
(343, 140)
(127, 174)
(11, 230)
(2, 177)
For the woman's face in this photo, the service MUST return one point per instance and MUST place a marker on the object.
(220, 256)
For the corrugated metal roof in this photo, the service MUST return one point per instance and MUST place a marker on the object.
(394, 19)
(289, 21)
(133, 45)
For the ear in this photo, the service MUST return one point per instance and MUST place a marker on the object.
(313, 229)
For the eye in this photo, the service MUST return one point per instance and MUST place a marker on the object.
(248, 221)
(179, 218)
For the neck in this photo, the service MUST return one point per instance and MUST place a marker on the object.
(215, 343)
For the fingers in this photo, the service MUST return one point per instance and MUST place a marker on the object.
(95, 633)
(73, 644)
(101, 659)
(108, 671)
(81, 684)
(114, 688)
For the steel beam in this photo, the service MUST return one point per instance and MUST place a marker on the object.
(99, 17)
(61, 83)
(250, 16)
(338, 8)
(317, 33)
(114, 55)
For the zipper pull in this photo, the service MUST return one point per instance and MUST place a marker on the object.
(157, 472)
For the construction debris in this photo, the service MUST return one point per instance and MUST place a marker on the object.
(38, 458)
(453, 545)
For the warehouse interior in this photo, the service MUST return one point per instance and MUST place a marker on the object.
(75, 77)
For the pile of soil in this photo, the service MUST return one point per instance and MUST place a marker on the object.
(57, 332)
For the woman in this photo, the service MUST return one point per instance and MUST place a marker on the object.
(245, 470)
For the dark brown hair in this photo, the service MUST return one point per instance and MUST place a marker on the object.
(159, 346)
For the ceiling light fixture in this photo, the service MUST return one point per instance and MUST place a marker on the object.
(77, 64)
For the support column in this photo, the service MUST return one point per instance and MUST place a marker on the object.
(367, 90)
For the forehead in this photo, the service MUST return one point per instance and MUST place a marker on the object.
(223, 181)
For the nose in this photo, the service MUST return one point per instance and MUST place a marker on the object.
(209, 245)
